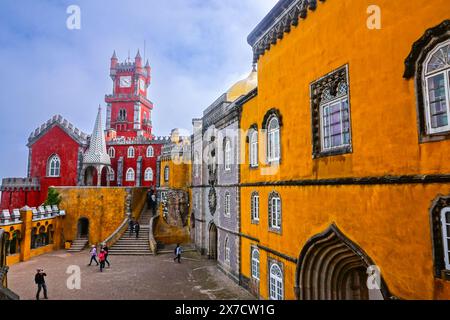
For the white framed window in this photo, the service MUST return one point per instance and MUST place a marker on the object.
(227, 250)
(54, 166)
(130, 152)
(255, 263)
(275, 211)
(273, 140)
(227, 204)
(122, 115)
(436, 80)
(112, 152)
(255, 206)
(227, 155)
(276, 282)
(445, 223)
(148, 175)
(166, 174)
(150, 152)
(130, 176)
(111, 174)
(254, 149)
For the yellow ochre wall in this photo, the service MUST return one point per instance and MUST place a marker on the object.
(391, 223)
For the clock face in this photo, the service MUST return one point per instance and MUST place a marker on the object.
(125, 82)
(142, 84)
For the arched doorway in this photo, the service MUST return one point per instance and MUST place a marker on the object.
(332, 267)
(90, 177)
(213, 241)
(83, 228)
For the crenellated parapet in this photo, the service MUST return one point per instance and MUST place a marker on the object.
(64, 124)
(18, 184)
(139, 140)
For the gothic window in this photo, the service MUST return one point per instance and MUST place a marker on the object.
(445, 222)
(227, 155)
(122, 115)
(148, 176)
(130, 176)
(112, 152)
(130, 152)
(436, 79)
(274, 212)
(276, 282)
(253, 149)
(111, 174)
(273, 140)
(227, 250)
(227, 204)
(54, 166)
(166, 174)
(255, 263)
(150, 152)
(331, 114)
(255, 207)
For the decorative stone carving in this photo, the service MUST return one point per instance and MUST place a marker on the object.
(212, 200)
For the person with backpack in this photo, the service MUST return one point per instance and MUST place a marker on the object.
(177, 253)
(93, 253)
(102, 258)
(39, 279)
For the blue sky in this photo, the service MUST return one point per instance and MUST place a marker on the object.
(197, 50)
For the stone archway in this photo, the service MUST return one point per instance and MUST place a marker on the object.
(332, 267)
(83, 228)
(212, 242)
(90, 176)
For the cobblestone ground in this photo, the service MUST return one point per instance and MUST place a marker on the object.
(136, 278)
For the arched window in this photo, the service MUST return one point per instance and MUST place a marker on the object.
(111, 174)
(54, 166)
(445, 221)
(276, 282)
(112, 152)
(122, 115)
(274, 212)
(150, 152)
(166, 173)
(148, 176)
(436, 77)
(227, 204)
(254, 149)
(227, 155)
(255, 263)
(227, 250)
(273, 140)
(130, 152)
(255, 207)
(130, 174)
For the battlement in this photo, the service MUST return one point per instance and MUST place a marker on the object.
(64, 124)
(138, 140)
(12, 184)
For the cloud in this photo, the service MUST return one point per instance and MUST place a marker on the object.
(197, 50)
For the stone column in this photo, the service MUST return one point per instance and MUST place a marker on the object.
(99, 176)
(25, 243)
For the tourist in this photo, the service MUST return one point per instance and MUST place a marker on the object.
(177, 252)
(137, 227)
(106, 249)
(131, 226)
(93, 253)
(153, 204)
(40, 281)
(102, 258)
(149, 199)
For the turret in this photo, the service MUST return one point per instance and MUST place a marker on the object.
(138, 60)
(114, 62)
(148, 69)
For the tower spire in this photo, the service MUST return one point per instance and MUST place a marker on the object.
(96, 154)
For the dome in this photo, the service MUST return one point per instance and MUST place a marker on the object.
(243, 87)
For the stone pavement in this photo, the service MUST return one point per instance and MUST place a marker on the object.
(130, 277)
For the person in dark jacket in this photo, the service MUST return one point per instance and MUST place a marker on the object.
(177, 252)
(39, 278)
(131, 226)
(106, 249)
(137, 227)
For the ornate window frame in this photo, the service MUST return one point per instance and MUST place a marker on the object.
(150, 152)
(253, 147)
(111, 174)
(271, 265)
(112, 152)
(270, 115)
(166, 173)
(227, 154)
(148, 174)
(441, 260)
(255, 263)
(414, 67)
(227, 204)
(54, 166)
(254, 207)
(130, 175)
(131, 153)
(274, 196)
(324, 91)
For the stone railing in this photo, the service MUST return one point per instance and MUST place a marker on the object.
(151, 239)
(8, 217)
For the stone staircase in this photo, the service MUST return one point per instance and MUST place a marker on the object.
(170, 248)
(79, 244)
(130, 246)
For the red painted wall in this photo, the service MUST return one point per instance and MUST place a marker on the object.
(19, 198)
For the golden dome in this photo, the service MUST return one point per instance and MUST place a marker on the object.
(243, 87)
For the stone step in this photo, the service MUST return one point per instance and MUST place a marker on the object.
(132, 254)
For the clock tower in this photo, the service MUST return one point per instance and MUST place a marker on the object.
(128, 108)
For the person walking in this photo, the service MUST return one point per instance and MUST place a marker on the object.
(153, 201)
(177, 252)
(39, 278)
(93, 253)
(137, 227)
(102, 258)
(149, 199)
(131, 226)
(106, 249)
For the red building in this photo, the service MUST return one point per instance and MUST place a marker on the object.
(62, 155)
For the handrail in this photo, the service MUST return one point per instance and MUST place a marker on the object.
(151, 239)
(112, 239)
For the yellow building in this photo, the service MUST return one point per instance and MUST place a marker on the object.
(345, 183)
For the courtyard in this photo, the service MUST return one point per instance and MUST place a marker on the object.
(128, 278)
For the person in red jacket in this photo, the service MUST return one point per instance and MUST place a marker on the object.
(102, 258)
